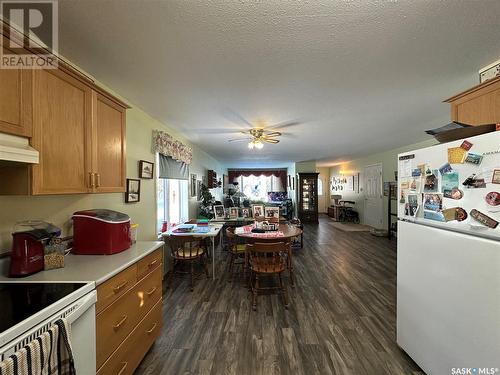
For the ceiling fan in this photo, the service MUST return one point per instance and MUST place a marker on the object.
(256, 138)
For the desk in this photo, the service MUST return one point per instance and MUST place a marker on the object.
(285, 233)
(214, 230)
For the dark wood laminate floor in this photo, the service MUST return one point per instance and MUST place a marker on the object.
(341, 319)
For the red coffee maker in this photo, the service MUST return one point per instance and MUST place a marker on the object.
(28, 241)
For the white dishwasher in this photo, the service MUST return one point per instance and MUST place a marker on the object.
(29, 309)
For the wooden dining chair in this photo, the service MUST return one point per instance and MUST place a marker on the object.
(267, 259)
(187, 250)
(236, 249)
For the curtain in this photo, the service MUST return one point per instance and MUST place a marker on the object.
(279, 173)
(170, 168)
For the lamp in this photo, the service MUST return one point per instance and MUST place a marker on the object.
(255, 143)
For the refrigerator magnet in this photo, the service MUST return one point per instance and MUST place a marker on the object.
(473, 158)
(493, 198)
(466, 145)
(450, 214)
(454, 193)
(496, 176)
(484, 219)
(446, 168)
(460, 214)
(456, 155)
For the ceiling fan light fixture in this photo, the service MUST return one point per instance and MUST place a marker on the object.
(259, 145)
(251, 145)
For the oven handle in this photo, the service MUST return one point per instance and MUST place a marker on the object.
(84, 304)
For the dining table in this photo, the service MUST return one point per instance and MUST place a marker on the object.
(285, 233)
(211, 232)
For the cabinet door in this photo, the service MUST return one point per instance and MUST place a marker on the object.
(108, 139)
(62, 120)
(15, 101)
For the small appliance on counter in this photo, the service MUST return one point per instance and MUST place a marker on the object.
(100, 232)
(28, 241)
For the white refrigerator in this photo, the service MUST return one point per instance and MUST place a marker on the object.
(448, 276)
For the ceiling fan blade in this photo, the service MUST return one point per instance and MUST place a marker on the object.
(236, 118)
(283, 125)
(239, 139)
(270, 140)
(215, 131)
(272, 134)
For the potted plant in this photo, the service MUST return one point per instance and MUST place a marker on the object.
(207, 201)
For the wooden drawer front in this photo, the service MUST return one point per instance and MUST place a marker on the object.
(130, 353)
(115, 287)
(149, 263)
(119, 319)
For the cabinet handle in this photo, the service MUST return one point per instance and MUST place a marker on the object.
(117, 288)
(151, 265)
(98, 183)
(91, 180)
(120, 323)
(152, 329)
(151, 291)
(123, 368)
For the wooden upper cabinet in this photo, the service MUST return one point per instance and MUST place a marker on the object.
(479, 105)
(62, 116)
(15, 101)
(108, 145)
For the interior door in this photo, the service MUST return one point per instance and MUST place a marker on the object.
(373, 210)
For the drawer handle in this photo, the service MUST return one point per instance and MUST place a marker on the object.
(117, 288)
(151, 265)
(120, 323)
(123, 368)
(152, 329)
(151, 291)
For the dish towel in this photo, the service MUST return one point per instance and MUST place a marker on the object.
(49, 354)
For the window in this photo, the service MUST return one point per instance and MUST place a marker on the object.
(172, 201)
(257, 187)
(320, 186)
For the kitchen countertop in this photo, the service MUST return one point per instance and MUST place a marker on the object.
(92, 268)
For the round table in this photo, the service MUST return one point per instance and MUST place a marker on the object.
(289, 232)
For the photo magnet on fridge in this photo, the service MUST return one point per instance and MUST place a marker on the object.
(433, 202)
(473, 158)
(431, 215)
(415, 184)
(454, 193)
(416, 172)
(431, 182)
(446, 168)
(461, 214)
(449, 181)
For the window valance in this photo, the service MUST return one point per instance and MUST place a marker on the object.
(172, 169)
(279, 173)
(164, 144)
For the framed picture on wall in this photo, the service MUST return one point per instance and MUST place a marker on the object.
(198, 189)
(133, 192)
(192, 182)
(146, 169)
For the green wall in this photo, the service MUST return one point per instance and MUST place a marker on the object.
(58, 209)
(389, 165)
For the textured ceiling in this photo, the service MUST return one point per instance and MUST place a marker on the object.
(363, 76)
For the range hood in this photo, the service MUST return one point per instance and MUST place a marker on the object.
(17, 149)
